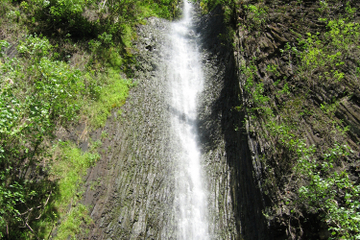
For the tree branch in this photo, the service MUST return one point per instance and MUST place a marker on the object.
(32, 230)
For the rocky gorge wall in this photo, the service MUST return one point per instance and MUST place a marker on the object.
(131, 189)
(222, 129)
(254, 80)
(278, 86)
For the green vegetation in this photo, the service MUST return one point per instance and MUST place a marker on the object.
(228, 6)
(259, 100)
(60, 61)
(256, 15)
(256, 12)
(34, 93)
(112, 94)
(68, 169)
(342, 36)
(321, 194)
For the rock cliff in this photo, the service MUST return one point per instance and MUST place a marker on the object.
(291, 94)
(131, 189)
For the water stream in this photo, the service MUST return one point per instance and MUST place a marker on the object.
(185, 83)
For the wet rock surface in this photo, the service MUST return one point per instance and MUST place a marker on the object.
(131, 187)
(235, 195)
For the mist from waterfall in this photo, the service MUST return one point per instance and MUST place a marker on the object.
(185, 83)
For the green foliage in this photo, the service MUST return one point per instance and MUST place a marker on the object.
(64, 8)
(324, 183)
(121, 17)
(208, 5)
(33, 97)
(260, 100)
(39, 93)
(341, 212)
(61, 17)
(112, 95)
(228, 7)
(343, 33)
(285, 89)
(256, 14)
(106, 39)
(351, 11)
(113, 21)
(68, 170)
(61, 8)
(329, 108)
(273, 69)
(3, 46)
(324, 6)
(256, 90)
(326, 59)
(34, 47)
(73, 222)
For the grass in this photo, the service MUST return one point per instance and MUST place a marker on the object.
(71, 225)
(69, 167)
(64, 212)
(111, 95)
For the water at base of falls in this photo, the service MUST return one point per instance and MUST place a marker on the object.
(185, 83)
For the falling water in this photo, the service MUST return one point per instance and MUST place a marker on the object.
(185, 83)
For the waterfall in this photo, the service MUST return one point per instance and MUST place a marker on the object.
(176, 164)
(185, 83)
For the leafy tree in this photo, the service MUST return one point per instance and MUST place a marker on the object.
(27, 120)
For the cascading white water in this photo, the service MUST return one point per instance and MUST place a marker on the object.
(185, 83)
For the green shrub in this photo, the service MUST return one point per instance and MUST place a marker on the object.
(34, 47)
(320, 193)
(326, 59)
(257, 15)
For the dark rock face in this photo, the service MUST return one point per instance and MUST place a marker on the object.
(222, 131)
(287, 22)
